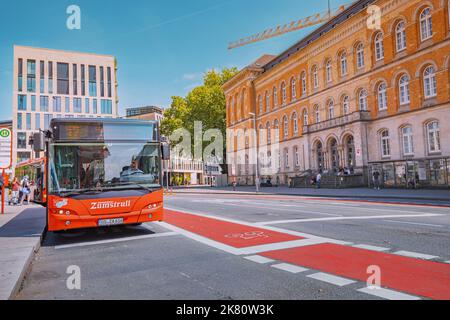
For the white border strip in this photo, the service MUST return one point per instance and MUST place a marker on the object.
(370, 247)
(289, 268)
(259, 259)
(415, 255)
(328, 278)
(388, 294)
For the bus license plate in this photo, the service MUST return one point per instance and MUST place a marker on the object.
(110, 222)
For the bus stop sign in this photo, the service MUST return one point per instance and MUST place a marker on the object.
(5, 148)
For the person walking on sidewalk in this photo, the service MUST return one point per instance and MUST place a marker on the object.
(318, 180)
(376, 180)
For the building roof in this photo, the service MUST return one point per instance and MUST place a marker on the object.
(355, 8)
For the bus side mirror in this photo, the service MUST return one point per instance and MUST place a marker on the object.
(165, 150)
(38, 142)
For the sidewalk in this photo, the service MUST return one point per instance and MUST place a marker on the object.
(21, 229)
(356, 193)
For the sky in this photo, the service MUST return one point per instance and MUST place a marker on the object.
(163, 48)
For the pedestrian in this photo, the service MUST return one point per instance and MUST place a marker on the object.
(318, 180)
(25, 190)
(15, 191)
(234, 185)
(376, 180)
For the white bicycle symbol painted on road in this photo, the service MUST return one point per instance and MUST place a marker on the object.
(247, 235)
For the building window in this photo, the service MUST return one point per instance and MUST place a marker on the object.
(108, 70)
(62, 74)
(379, 47)
(429, 82)
(102, 82)
(20, 75)
(404, 90)
(297, 157)
(56, 104)
(385, 144)
(94, 106)
(42, 76)
(37, 121)
(315, 76)
(286, 158)
(106, 106)
(47, 119)
(19, 121)
(67, 103)
(83, 80)
(328, 71)
(22, 102)
(21, 140)
(434, 140)
(304, 83)
(400, 36)
(23, 156)
(77, 105)
(360, 56)
(28, 121)
(345, 105)
(33, 103)
(317, 113)
(408, 143)
(269, 134)
(283, 93)
(285, 127)
(31, 76)
(330, 109)
(305, 117)
(50, 77)
(260, 103)
(267, 102)
(344, 69)
(295, 122)
(44, 103)
(382, 96)
(275, 97)
(362, 100)
(92, 81)
(293, 89)
(75, 79)
(426, 25)
(86, 105)
(276, 128)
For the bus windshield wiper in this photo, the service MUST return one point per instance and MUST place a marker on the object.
(140, 186)
(77, 193)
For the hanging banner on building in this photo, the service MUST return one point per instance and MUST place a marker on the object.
(5, 148)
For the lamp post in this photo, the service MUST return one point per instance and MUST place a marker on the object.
(256, 151)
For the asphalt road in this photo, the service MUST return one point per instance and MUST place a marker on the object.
(190, 258)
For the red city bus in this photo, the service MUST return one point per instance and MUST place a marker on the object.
(102, 172)
(35, 171)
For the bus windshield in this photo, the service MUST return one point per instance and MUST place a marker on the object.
(98, 167)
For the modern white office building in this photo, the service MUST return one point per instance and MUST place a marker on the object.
(58, 84)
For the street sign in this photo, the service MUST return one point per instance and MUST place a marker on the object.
(5, 148)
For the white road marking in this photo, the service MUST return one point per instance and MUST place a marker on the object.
(372, 248)
(416, 224)
(388, 294)
(415, 255)
(328, 278)
(259, 259)
(347, 218)
(289, 210)
(447, 262)
(93, 243)
(281, 246)
(289, 268)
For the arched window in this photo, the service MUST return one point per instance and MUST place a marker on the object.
(362, 99)
(403, 86)
(345, 105)
(260, 102)
(317, 113)
(297, 157)
(275, 97)
(400, 36)
(293, 89)
(303, 77)
(315, 77)
(434, 139)
(276, 127)
(360, 56)
(379, 47)
(426, 24)
(429, 82)
(382, 96)
(267, 101)
(408, 141)
(261, 134)
(269, 133)
(343, 59)
(286, 158)
(385, 144)
(283, 93)
(285, 127)
(328, 71)
(305, 118)
(295, 122)
(330, 109)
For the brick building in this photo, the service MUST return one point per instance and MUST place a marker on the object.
(351, 96)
